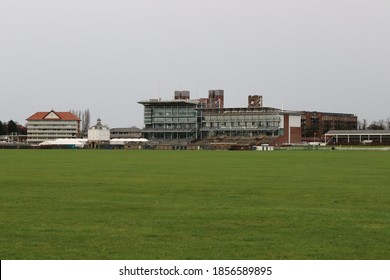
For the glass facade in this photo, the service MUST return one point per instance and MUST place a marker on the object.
(171, 119)
(189, 119)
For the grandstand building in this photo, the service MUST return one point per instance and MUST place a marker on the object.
(125, 132)
(183, 120)
(52, 125)
(245, 122)
(358, 137)
(176, 119)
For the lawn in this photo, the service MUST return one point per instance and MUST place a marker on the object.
(95, 204)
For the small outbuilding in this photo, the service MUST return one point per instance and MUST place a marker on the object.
(98, 134)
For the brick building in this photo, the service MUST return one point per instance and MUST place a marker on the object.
(315, 124)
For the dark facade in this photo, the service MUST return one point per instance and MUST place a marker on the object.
(316, 124)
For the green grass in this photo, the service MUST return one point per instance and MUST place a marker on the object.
(90, 204)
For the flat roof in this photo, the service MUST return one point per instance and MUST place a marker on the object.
(270, 128)
(173, 101)
(125, 129)
(329, 113)
(358, 132)
(266, 110)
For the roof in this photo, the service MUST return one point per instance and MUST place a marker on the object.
(117, 141)
(99, 125)
(242, 109)
(126, 129)
(65, 142)
(329, 113)
(53, 115)
(171, 102)
(358, 132)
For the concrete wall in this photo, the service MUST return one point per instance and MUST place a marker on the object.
(98, 135)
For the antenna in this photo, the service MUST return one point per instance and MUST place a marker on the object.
(158, 88)
(197, 88)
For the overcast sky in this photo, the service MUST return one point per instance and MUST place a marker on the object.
(315, 55)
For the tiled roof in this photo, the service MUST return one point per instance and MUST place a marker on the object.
(65, 116)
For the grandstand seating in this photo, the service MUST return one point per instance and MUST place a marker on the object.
(227, 142)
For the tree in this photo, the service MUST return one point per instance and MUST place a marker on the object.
(309, 130)
(326, 126)
(339, 125)
(12, 127)
(85, 118)
(3, 129)
(387, 122)
(381, 124)
(364, 125)
(359, 125)
(376, 125)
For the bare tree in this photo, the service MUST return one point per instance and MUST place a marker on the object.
(364, 124)
(359, 125)
(376, 125)
(387, 123)
(86, 120)
(381, 124)
(85, 117)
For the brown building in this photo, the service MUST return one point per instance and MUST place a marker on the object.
(315, 124)
(216, 99)
(255, 101)
(182, 94)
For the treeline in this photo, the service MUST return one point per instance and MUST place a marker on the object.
(12, 127)
(375, 125)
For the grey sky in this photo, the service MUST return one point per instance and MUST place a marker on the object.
(328, 55)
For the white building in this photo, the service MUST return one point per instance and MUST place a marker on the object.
(98, 134)
(52, 125)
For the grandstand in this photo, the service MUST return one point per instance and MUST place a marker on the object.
(358, 137)
(184, 123)
(234, 142)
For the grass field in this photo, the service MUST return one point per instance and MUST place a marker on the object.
(92, 204)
